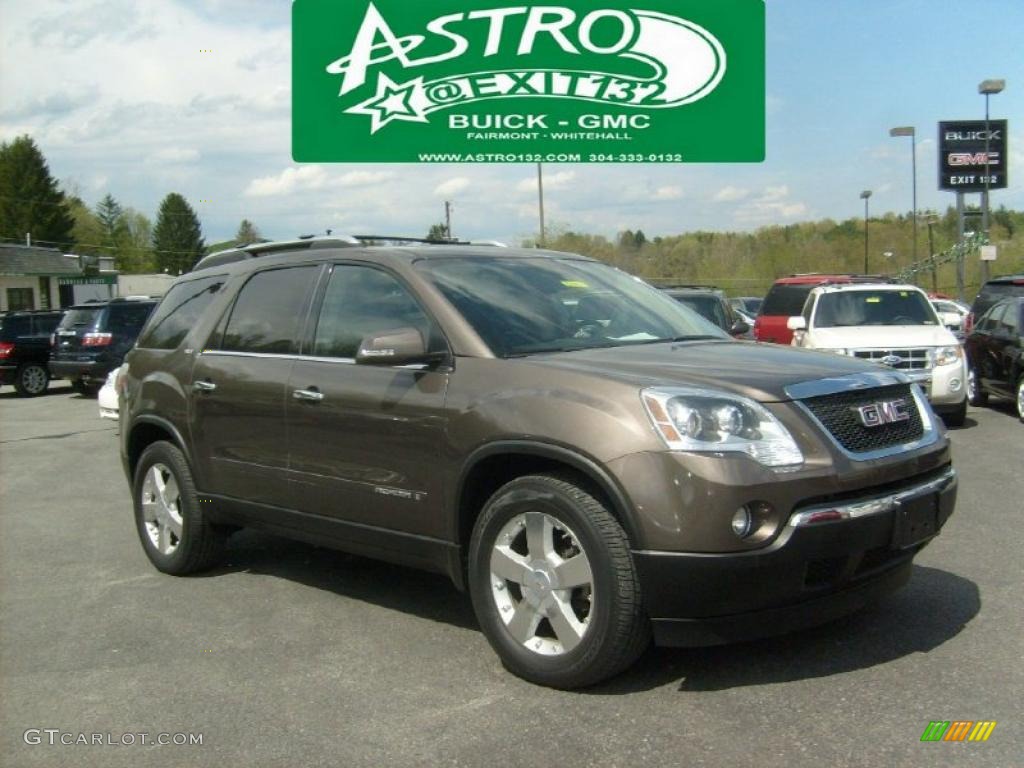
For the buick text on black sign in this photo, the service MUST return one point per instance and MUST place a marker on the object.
(971, 153)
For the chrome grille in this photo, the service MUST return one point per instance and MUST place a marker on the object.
(837, 413)
(909, 359)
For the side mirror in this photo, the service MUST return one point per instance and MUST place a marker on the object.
(401, 346)
(796, 323)
(739, 328)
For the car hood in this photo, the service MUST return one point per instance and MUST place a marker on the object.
(882, 337)
(758, 371)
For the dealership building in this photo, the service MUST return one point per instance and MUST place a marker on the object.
(46, 278)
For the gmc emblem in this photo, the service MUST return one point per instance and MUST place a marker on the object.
(888, 412)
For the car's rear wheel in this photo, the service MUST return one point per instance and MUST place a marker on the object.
(1020, 398)
(554, 585)
(975, 394)
(31, 380)
(175, 533)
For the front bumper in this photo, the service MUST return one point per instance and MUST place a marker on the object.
(945, 385)
(830, 559)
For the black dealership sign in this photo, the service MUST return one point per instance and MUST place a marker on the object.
(962, 162)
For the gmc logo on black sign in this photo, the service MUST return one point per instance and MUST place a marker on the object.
(888, 412)
(960, 159)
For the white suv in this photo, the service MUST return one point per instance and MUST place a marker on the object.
(894, 325)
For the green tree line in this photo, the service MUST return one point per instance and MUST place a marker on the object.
(33, 203)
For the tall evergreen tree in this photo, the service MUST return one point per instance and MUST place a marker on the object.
(247, 232)
(111, 217)
(30, 201)
(177, 237)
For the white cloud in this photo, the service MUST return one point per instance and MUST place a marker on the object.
(731, 194)
(173, 155)
(289, 180)
(452, 187)
(667, 193)
(771, 206)
(552, 181)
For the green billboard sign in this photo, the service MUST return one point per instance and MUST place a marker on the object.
(478, 81)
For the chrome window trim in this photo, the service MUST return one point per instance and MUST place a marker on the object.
(878, 505)
(306, 359)
(861, 381)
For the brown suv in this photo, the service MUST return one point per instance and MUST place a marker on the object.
(590, 459)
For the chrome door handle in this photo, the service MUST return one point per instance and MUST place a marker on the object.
(308, 395)
(203, 386)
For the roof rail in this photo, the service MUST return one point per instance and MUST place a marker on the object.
(252, 251)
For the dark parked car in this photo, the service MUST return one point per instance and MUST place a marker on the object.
(749, 304)
(711, 304)
(995, 355)
(994, 290)
(93, 339)
(25, 349)
(592, 461)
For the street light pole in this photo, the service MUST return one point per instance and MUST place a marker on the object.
(865, 196)
(987, 87)
(931, 254)
(909, 130)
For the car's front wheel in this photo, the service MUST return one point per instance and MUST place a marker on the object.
(554, 585)
(975, 394)
(1020, 398)
(175, 533)
(31, 380)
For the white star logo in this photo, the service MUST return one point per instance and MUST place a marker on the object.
(394, 102)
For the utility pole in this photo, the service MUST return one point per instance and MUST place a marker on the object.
(540, 194)
(28, 239)
(448, 219)
(865, 196)
(931, 255)
(961, 291)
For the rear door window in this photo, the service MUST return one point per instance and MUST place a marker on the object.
(180, 310)
(269, 312)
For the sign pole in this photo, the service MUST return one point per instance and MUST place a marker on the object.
(960, 290)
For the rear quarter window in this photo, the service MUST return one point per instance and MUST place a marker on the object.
(12, 327)
(127, 318)
(180, 310)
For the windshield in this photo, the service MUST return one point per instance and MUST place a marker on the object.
(522, 306)
(849, 308)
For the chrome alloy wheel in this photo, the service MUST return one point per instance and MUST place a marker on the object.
(542, 583)
(161, 509)
(1020, 398)
(33, 378)
(972, 385)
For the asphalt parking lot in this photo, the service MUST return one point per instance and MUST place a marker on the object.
(294, 655)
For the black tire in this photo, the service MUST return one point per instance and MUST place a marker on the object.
(84, 388)
(200, 545)
(616, 629)
(957, 416)
(975, 395)
(31, 380)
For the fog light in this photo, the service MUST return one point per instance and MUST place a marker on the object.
(955, 384)
(742, 522)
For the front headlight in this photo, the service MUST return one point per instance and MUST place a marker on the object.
(948, 355)
(703, 421)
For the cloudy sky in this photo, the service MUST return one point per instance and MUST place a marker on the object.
(121, 99)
